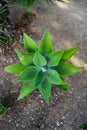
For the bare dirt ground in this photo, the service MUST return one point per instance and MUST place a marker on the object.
(67, 109)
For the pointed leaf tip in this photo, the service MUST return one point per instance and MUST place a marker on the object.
(63, 87)
(66, 69)
(25, 58)
(45, 90)
(29, 44)
(54, 57)
(27, 88)
(45, 45)
(14, 68)
(69, 53)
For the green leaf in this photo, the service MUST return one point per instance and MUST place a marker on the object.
(54, 77)
(15, 68)
(39, 60)
(25, 59)
(26, 89)
(45, 90)
(54, 58)
(45, 45)
(27, 4)
(28, 74)
(69, 53)
(66, 69)
(63, 87)
(29, 44)
(39, 78)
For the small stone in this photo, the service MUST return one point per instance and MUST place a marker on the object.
(58, 123)
(42, 126)
(81, 113)
(70, 92)
(63, 118)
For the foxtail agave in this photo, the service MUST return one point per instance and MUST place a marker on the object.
(41, 67)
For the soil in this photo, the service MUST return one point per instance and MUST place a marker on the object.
(67, 110)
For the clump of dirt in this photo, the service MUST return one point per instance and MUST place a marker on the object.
(9, 99)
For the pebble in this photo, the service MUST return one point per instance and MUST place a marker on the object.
(63, 117)
(42, 126)
(11, 61)
(58, 123)
(81, 113)
(4, 59)
(70, 92)
(17, 124)
(23, 126)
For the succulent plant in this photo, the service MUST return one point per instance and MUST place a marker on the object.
(40, 66)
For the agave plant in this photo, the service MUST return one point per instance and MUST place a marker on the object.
(29, 4)
(40, 66)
